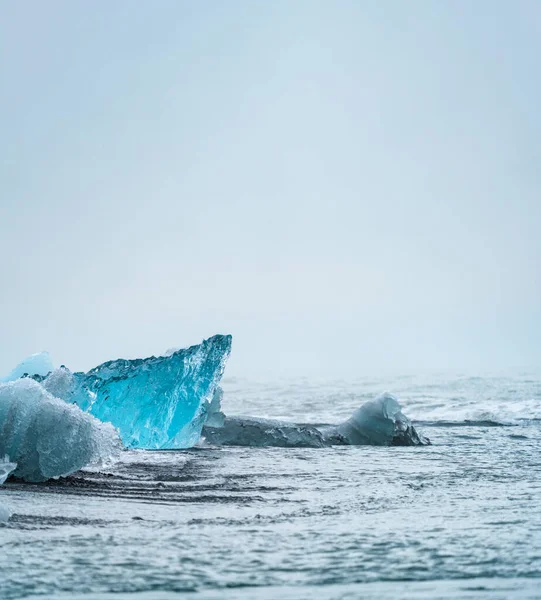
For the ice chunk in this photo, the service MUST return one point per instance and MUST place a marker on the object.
(6, 467)
(156, 402)
(60, 383)
(5, 513)
(251, 431)
(379, 422)
(36, 364)
(215, 416)
(47, 437)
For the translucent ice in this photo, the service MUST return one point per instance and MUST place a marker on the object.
(60, 383)
(379, 422)
(4, 514)
(47, 437)
(215, 416)
(156, 402)
(36, 364)
(6, 467)
(252, 431)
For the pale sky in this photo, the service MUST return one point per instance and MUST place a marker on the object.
(344, 186)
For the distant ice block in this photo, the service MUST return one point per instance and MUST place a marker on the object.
(36, 364)
(47, 437)
(379, 422)
(157, 402)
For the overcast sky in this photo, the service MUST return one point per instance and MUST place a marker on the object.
(344, 186)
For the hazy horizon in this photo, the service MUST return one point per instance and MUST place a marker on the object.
(346, 188)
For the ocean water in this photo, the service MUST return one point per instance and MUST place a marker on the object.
(458, 519)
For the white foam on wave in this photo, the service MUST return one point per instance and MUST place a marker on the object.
(513, 398)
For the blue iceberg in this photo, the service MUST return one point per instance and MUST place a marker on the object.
(46, 437)
(156, 403)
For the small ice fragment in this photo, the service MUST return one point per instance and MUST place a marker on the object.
(36, 364)
(6, 467)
